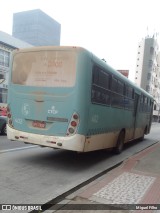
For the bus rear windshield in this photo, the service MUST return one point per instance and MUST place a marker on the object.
(44, 68)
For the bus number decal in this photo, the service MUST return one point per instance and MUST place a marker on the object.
(25, 109)
(95, 118)
(53, 110)
(18, 120)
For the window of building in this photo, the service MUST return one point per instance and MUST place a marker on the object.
(149, 76)
(4, 58)
(151, 50)
(3, 95)
(148, 88)
(150, 63)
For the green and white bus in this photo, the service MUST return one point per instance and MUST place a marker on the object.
(67, 98)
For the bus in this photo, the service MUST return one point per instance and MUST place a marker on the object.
(68, 98)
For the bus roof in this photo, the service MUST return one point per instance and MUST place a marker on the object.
(74, 48)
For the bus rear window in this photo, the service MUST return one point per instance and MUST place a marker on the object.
(44, 68)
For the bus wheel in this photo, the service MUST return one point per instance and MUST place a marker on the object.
(120, 143)
(144, 132)
(4, 130)
(141, 138)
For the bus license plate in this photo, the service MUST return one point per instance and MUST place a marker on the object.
(39, 124)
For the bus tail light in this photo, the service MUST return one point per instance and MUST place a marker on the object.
(9, 115)
(73, 125)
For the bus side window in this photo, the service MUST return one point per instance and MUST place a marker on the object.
(114, 86)
(142, 103)
(133, 94)
(130, 92)
(149, 105)
(120, 87)
(126, 90)
(100, 93)
(129, 97)
(145, 104)
(95, 75)
(103, 79)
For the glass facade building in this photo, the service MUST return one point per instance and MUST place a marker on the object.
(36, 28)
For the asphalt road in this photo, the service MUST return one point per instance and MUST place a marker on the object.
(6, 144)
(37, 175)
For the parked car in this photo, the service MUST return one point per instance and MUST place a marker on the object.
(3, 111)
(3, 127)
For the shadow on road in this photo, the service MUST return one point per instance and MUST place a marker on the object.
(68, 160)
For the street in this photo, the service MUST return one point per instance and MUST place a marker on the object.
(37, 175)
(5, 144)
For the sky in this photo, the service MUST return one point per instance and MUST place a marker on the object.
(111, 29)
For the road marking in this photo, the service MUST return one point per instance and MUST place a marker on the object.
(17, 149)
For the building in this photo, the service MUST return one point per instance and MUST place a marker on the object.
(36, 28)
(124, 72)
(7, 45)
(157, 84)
(147, 74)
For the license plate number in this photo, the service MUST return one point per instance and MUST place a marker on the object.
(39, 124)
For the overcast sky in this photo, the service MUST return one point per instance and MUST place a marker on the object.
(111, 29)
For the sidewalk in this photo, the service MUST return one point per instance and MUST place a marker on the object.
(135, 181)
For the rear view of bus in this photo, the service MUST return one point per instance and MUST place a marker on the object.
(42, 106)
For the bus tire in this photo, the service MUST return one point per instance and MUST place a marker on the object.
(144, 132)
(120, 143)
(4, 130)
(141, 138)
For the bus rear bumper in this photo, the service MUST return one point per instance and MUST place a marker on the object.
(74, 143)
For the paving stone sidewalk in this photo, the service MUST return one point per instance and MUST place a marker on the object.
(135, 184)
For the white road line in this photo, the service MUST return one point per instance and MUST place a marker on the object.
(18, 149)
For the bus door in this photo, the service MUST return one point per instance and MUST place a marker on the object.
(135, 110)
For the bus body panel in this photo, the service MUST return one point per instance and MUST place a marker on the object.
(48, 110)
(99, 125)
(74, 143)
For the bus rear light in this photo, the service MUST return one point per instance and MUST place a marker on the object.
(73, 125)
(9, 115)
(71, 130)
(75, 116)
(8, 109)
